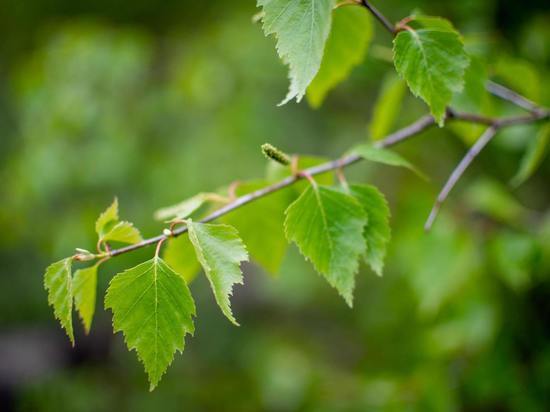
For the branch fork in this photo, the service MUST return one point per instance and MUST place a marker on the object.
(536, 113)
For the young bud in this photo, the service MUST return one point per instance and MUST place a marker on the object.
(271, 152)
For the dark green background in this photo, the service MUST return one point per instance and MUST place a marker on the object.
(155, 101)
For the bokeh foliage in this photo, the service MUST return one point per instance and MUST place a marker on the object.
(154, 104)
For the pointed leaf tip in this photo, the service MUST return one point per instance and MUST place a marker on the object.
(327, 226)
(154, 309)
(301, 29)
(220, 251)
(58, 283)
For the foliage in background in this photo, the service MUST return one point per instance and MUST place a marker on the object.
(461, 296)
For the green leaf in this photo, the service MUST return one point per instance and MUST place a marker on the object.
(301, 28)
(179, 254)
(432, 61)
(387, 106)
(519, 74)
(58, 283)
(385, 156)
(109, 228)
(346, 47)
(107, 219)
(493, 199)
(432, 22)
(187, 207)
(124, 232)
(474, 95)
(153, 307)
(260, 225)
(220, 252)
(473, 99)
(536, 150)
(377, 232)
(514, 256)
(327, 225)
(84, 290)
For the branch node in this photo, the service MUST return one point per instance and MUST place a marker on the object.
(232, 190)
(341, 175)
(306, 175)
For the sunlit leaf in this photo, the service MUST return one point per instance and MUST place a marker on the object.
(109, 228)
(345, 48)
(327, 226)
(377, 231)
(107, 219)
(124, 232)
(58, 283)
(220, 251)
(187, 207)
(84, 290)
(301, 28)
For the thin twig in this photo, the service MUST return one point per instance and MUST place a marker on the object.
(470, 117)
(459, 171)
(379, 16)
(342, 162)
(511, 96)
(423, 123)
(494, 126)
(345, 161)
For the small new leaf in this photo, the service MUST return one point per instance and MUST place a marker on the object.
(377, 232)
(346, 47)
(109, 228)
(301, 28)
(58, 283)
(327, 226)
(123, 232)
(187, 207)
(432, 61)
(220, 252)
(84, 291)
(153, 308)
(107, 219)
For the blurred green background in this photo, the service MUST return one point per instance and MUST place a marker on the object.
(155, 101)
